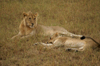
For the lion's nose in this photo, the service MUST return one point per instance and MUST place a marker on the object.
(32, 24)
(51, 42)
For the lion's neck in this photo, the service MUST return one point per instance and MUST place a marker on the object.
(24, 30)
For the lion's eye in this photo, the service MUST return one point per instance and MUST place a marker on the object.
(30, 18)
(51, 42)
(50, 37)
(34, 18)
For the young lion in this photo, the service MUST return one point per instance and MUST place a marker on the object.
(29, 27)
(71, 43)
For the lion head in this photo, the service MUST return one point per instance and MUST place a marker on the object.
(30, 19)
(53, 38)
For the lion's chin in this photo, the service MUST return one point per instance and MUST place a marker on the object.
(31, 26)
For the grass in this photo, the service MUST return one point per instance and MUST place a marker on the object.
(77, 16)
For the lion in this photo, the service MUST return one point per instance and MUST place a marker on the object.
(69, 43)
(29, 27)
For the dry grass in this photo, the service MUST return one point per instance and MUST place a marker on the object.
(77, 16)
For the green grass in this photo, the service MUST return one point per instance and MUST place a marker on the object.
(77, 16)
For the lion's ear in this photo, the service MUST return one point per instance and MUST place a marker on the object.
(36, 14)
(24, 14)
(56, 34)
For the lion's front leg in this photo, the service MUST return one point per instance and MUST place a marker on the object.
(15, 36)
(19, 36)
(26, 36)
(46, 45)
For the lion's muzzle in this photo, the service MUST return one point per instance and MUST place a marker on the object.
(32, 24)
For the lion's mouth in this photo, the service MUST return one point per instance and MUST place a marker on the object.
(31, 26)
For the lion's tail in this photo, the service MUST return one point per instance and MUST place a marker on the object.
(91, 39)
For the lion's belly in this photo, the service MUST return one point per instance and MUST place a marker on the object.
(47, 30)
(50, 30)
(74, 44)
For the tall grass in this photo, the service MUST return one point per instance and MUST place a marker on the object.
(77, 16)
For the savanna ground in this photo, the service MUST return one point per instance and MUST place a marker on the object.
(77, 16)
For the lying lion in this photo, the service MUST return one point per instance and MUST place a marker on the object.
(29, 27)
(70, 43)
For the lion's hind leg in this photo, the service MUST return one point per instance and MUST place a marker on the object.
(71, 34)
(72, 49)
(75, 49)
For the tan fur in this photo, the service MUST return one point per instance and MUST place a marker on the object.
(70, 43)
(26, 29)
